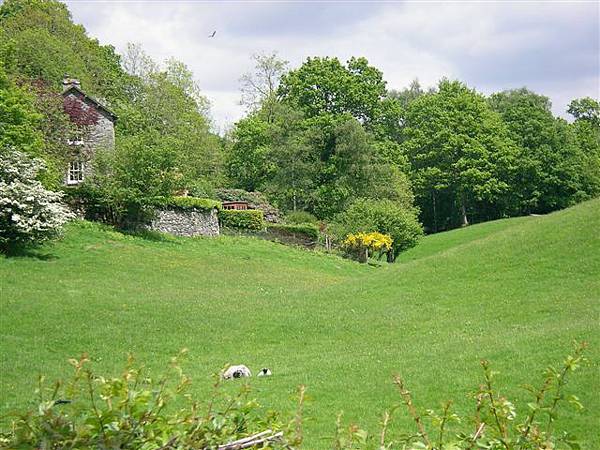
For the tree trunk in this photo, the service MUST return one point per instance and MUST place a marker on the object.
(363, 255)
(390, 256)
(463, 213)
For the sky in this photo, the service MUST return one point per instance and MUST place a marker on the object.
(552, 48)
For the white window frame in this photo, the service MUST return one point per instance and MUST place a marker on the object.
(77, 138)
(76, 172)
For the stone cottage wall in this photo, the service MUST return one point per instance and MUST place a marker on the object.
(97, 126)
(101, 135)
(95, 130)
(186, 223)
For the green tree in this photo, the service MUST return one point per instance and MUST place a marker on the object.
(346, 159)
(325, 86)
(586, 127)
(585, 109)
(248, 157)
(19, 120)
(295, 160)
(549, 165)
(42, 42)
(127, 183)
(459, 152)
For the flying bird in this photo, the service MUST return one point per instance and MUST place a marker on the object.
(212, 34)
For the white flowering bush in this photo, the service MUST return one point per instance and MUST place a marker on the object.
(29, 213)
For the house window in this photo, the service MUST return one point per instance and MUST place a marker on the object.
(75, 175)
(77, 139)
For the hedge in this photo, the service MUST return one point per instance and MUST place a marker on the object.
(190, 203)
(248, 219)
(308, 230)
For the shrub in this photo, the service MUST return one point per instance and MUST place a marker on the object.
(112, 205)
(363, 245)
(248, 219)
(29, 213)
(300, 217)
(134, 411)
(190, 203)
(382, 216)
(304, 234)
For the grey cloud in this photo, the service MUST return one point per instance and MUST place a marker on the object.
(552, 48)
(299, 19)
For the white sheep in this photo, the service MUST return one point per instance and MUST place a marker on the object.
(238, 371)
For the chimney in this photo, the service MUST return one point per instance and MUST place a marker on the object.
(68, 82)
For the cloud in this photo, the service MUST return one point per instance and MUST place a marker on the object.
(552, 48)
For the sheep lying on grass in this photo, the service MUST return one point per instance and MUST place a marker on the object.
(241, 371)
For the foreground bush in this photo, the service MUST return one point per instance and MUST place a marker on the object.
(134, 411)
(29, 213)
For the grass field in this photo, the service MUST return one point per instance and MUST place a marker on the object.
(516, 291)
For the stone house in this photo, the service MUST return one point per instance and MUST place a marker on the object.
(94, 130)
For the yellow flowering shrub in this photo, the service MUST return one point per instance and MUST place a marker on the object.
(365, 244)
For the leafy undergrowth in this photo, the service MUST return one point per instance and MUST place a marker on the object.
(516, 292)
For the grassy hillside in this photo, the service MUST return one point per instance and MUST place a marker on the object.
(517, 292)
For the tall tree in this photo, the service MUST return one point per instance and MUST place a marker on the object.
(585, 109)
(549, 164)
(137, 62)
(248, 159)
(586, 127)
(326, 86)
(40, 41)
(259, 87)
(459, 152)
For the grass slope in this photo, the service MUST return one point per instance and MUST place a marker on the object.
(517, 292)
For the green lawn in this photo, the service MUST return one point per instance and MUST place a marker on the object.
(516, 291)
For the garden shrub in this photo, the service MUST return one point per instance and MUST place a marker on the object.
(112, 206)
(363, 245)
(29, 213)
(300, 217)
(247, 219)
(382, 216)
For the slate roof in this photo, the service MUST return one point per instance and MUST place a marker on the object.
(92, 100)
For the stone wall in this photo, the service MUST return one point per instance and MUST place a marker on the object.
(186, 223)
